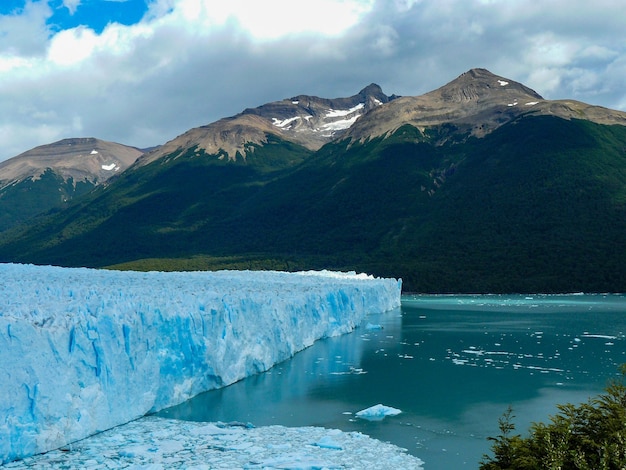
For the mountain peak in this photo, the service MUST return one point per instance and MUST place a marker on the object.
(80, 158)
(372, 88)
(306, 120)
(475, 103)
(477, 84)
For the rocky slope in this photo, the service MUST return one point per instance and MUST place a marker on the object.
(79, 158)
(50, 175)
(309, 121)
(477, 102)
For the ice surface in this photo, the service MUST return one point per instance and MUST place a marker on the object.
(84, 350)
(158, 443)
(378, 412)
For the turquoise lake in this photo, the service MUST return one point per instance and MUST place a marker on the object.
(452, 364)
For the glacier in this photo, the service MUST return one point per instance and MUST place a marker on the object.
(84, 350)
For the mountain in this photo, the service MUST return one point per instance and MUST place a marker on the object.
(478, 186)
(308, 121)
(48, 176)
(476, 103)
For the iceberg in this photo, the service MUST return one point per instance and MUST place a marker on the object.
(378, 412)
(85, 350)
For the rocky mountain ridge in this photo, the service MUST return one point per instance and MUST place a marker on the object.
(50, 176)
(306, 120)
(476, 103)
(81, 159)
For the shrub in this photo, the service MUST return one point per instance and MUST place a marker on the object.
(590, 436)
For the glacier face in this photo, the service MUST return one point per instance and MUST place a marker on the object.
(84, 350)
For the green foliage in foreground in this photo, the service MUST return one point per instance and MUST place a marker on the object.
(591, 436)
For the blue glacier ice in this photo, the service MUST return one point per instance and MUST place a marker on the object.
(84, 350)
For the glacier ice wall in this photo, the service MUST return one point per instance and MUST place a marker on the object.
(84, 350)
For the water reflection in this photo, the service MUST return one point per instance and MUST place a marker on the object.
(451, 364)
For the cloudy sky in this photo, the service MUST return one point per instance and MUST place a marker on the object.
(141, 72)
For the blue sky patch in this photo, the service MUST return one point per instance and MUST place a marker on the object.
(97, 14)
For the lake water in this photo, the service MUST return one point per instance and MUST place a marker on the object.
(452, 364)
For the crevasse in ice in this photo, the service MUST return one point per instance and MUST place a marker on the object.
(84, 350)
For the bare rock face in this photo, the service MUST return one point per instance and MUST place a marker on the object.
(306, 120)
(82, 159)
(477, 102)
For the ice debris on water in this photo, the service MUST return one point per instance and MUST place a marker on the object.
(158, 443)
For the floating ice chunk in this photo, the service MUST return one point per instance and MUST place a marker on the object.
(586, 335)
(378, 412)
(473, 350)
(327, 442)
(371, 326)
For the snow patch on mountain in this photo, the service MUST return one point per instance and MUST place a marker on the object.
(333, 113)
(285, 122)
(340, 124)
(110, 167)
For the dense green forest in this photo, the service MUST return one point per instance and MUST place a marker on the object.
(539, 205)
(49, 191)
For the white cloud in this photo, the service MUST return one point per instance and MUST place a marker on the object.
(270, 19)
(72, 46)
(71, 5)
(405, 5)
(191, 62)
(24, 33)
